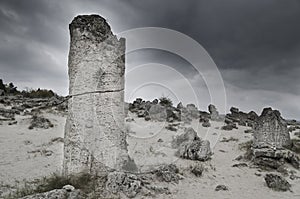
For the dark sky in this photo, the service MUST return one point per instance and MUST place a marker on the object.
(255, 45)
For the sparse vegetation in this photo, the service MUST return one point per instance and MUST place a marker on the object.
(164, 101)
(11, 89)
(39, 93)
(85, 182)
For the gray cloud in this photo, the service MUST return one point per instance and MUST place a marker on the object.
(255, 44)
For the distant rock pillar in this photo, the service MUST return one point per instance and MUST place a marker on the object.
(95, 138)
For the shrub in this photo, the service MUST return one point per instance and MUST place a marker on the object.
(164, 101)
(39, 93)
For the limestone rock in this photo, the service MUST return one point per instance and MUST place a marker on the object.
(168, 173)
(158, 113)
(214, 114)
(221, 188)
(95, 136)
(193, 111)
(277, 182)
(189, 135)
(129, 184)
(271, 130)
(195, 150)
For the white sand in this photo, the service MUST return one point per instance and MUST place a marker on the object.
(18, 161)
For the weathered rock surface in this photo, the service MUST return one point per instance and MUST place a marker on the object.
(277, 182)
(168, 173)
(189, 135)
(195, 150)
(158, 113)
(128, 184)
(214, 114)
(271, 130)
(95, 137)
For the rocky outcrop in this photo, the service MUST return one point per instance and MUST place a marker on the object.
(271, 130)
(214, 114)
(241, 118)
(95, 137)
(271, 144)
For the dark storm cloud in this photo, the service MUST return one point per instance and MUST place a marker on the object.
(255, 44)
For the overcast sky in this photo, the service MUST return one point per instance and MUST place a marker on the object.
(255, 45)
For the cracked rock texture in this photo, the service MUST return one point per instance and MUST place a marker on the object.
(95, 139)
(271, 130)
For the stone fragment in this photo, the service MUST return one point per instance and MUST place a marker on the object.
(221, 188)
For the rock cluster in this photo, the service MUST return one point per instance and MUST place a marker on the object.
(238, 117)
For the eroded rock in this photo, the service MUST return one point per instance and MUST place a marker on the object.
(277, 183)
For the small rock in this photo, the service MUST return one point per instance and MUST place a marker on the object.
(197, 170)
(221, 188)
(68, 188)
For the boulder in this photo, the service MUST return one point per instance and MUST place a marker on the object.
(214, 114)
(128, 184)
(195, 150)
(168, 173)
(271, 130)
(277, 183)
(193, 111)
(158, 113)
(189, 135)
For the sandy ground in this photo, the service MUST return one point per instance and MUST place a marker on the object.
(32, 154)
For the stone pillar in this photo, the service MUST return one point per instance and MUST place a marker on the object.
(95, 138)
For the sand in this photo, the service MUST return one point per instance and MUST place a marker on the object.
(27, 155)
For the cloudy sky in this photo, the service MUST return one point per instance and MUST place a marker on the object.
(255, 45)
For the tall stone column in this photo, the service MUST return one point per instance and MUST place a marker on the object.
(95, 139)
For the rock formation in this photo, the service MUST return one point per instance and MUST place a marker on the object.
(95, 138)
(192, 147)
(214, 114)
(271, 130)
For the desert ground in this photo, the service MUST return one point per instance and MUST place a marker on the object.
(28, 155)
